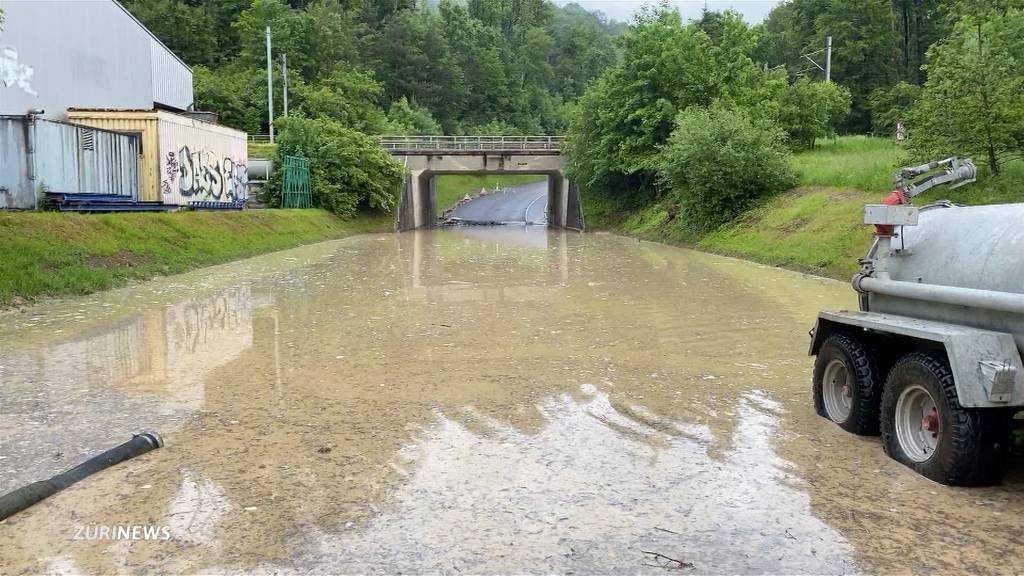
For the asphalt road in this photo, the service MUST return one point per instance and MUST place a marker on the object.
(524, 204)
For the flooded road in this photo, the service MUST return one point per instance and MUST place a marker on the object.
(470, 400)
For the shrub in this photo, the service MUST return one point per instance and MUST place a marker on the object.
(812, 110)
(717, 162)
(348, 169)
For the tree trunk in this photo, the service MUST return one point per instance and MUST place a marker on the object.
(986, 108)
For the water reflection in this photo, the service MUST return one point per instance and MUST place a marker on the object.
(471, 399)
(82, 392)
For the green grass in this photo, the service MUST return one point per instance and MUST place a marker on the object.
(262, 149)
(852, 162)
(811, 229)
(54, 254)
(451, 188)
(814, 228)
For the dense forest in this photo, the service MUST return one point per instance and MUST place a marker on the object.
(708, 91)
(494, 66)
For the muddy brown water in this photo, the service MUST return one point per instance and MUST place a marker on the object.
(471, 400)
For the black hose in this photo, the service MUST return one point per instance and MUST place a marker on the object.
(20, 499)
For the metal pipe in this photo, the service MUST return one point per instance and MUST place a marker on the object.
(30, 154)
(953, 295)
(20, 499)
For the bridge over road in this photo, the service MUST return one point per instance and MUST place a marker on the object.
(425, 157)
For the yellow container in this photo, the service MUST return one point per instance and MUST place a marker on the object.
(181, 159)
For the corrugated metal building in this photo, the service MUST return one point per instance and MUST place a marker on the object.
(183, 159)
(38, 155)
(92, 63)
(60, 54)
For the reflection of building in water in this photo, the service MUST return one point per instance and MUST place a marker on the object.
(202, 335)
(144, 372)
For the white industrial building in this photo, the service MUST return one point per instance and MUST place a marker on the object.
(60, 54)
(93, 104)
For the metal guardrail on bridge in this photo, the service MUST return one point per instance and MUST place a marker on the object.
(473, 144)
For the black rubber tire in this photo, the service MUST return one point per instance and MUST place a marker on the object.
(866, 390)
(973, 446)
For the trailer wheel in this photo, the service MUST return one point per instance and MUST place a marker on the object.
(925, 428)
(845, 390)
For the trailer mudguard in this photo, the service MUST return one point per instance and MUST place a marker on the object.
(986, 365)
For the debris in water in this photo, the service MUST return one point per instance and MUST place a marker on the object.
(668, 562)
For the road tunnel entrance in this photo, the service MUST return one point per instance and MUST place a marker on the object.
(427, 157)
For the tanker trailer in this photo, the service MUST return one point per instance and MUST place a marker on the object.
(931, 360)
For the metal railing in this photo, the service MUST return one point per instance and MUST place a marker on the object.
(469, 144)
(259, 138)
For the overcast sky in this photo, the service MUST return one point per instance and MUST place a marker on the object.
(753, 10)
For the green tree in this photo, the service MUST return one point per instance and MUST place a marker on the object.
(348, 169)
(718, 162)
(290, 34)
(812, 110)
(875, 44)
(621, 121)
(971, 103)
(413, 59)
(349, 97)
(333, 32)
(238, 95)
(582, 50)
(890, 106)
(408, 118)
(188, 30)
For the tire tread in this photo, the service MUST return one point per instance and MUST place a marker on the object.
(864, 415)
(980, 438)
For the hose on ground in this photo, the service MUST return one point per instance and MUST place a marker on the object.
(20, 499)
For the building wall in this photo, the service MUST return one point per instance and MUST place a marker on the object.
(60, 54)
(171, 80)
(66, 158)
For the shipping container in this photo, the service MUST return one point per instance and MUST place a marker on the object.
(183, 159)
(38, 155)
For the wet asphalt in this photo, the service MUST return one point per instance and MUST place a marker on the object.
(526, 204)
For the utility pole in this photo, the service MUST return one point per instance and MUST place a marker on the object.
(270, 89)
(828, 59)
(284, 74)
(827, 69)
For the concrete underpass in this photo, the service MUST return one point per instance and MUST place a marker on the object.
(426, 157)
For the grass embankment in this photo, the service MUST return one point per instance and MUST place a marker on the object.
(261, 149)
(451, 188)
(53, 254)
(815, 227)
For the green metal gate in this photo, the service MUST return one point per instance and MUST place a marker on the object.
(295, 185)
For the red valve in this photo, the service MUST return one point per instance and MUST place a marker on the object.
(895, 198)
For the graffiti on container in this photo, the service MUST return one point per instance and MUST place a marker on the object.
(14, 73)
(205, 175)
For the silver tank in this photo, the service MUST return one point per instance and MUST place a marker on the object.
(976, 247)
